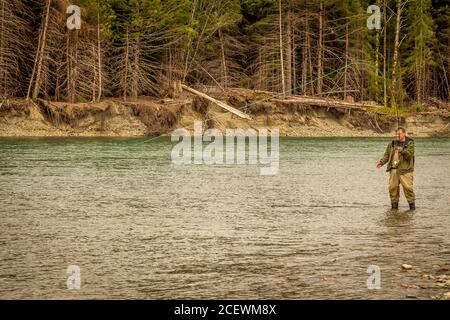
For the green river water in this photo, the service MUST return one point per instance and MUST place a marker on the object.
(141, 227)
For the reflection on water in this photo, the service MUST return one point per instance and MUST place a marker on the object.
(398, 222)
(398, 218)
(140, 227)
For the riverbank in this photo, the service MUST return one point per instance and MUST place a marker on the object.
(150, 117)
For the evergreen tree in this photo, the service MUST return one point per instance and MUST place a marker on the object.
(441, 16)
(420, 41)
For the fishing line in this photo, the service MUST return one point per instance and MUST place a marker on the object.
(301, 86)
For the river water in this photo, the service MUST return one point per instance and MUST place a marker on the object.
(140, 227)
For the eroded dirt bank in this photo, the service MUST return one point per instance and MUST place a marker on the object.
(149, 117)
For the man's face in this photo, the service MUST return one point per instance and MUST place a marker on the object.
(400, 135)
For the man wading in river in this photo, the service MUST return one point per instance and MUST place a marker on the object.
(399, 157)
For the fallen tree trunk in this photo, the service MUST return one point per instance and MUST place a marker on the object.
(217, 102)
(323, 103)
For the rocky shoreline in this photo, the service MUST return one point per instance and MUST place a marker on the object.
(436, 278)
(149, 117)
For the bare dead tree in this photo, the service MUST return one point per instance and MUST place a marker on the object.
(14, 40)
(36, 76)
(99, 59)
(280, 24)
(395, 62)
(320, 49)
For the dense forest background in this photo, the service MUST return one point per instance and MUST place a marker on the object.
(131, 48)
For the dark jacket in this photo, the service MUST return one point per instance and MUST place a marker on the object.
(406, 163)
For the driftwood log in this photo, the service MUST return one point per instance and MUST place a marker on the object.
(217, 102)
(323, 103)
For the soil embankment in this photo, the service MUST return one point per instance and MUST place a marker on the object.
(149, 117)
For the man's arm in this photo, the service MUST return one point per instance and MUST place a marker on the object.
(385, 158)
(408, 151)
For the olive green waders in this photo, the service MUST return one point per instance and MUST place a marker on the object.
(406, 180)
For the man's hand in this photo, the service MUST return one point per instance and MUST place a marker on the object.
(379, 164)
(399, 149)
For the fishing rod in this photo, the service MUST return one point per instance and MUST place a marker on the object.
(398, 118)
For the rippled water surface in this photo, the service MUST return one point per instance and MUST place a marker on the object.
(141, 227)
